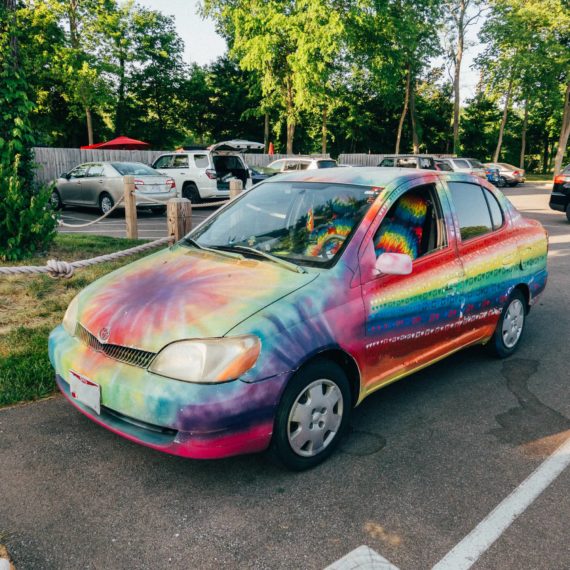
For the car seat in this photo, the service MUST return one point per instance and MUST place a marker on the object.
(402, 230)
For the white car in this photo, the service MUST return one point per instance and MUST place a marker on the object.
(301, 163)
(466, 165)
(205, 174)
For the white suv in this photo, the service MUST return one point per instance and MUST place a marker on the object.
(206, 174)
(467, 165)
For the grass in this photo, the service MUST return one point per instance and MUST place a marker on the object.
(539, 177)
(30, 307)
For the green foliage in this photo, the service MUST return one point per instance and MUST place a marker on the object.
(26, 220)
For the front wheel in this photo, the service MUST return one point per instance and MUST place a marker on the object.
(312, 417)
(55, 200)
(501, 183)
(507, 336)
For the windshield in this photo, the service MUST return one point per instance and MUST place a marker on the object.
(304, 222)
(134, 168)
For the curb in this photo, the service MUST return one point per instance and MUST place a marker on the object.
(5, 560)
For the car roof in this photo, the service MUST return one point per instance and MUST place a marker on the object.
(364, 176)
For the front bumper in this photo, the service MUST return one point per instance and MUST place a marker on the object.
(201, 421)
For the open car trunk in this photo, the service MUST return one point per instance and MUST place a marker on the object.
(229, 166)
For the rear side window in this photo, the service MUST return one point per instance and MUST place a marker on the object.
(180, 161)
(495, 209)
(461, 163)
(471, 209)
(326, 164)
(95, 170)
(407, 163)
(201, 161)
(445, 166)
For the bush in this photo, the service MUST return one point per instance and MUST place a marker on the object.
(27, 221)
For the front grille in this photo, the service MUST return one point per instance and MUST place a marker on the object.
(132, 356)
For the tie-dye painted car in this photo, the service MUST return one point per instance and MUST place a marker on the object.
(275, 317)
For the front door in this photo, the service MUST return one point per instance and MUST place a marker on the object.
(411, 320)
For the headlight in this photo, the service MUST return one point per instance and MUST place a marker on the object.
(209, 360)
(70, 317)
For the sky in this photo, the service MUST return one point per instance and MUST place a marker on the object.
(203, 45)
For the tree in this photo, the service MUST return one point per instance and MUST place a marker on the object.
(460, 15)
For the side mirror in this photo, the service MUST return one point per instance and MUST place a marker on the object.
(65, 175)
(393, 264)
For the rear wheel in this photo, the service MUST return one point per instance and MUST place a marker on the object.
(312, 417)
(190, 191)
(106, 203)
(510, 327)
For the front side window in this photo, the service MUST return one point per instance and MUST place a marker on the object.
(407, 163)
(414, 225)
(163, 162)
(387, 162)
(95, 171)
(291, 165)
(79, 171)
(477, 164)
(471, 209)
(304, 222)
(461, 163)
(277, 165)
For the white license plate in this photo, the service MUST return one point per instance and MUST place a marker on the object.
(85, 391)
(153, 188)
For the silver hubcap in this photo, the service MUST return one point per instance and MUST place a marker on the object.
(513, 323)
(315, 418)
(106, 204)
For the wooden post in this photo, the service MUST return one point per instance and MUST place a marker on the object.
(179, 216)
(130, 207)
(236, 188)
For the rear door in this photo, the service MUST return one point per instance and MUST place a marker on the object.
(411, 319)
(490, 260)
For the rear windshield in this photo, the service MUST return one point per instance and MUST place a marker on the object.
(326, 164)
(134, 168)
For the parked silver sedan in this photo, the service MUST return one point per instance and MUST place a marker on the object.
(100, 185)
(509, 175)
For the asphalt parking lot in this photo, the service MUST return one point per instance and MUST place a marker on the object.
(426, 461)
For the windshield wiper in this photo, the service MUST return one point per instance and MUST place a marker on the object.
(287, 264)
(194, 243)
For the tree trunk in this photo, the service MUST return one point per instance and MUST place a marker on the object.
(456, 91)
(523, 136)
(404, 111)
(324, 133)
(290, 117)
(120, 113)
(89, 125)
(545, 155)
(415, 141)
(503, 120)
(266, 133)
(564, 133)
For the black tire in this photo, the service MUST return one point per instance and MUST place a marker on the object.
(106, 202)
(55, 200)
(568, 212)
(501, 183)
(328, 421)
(190, 191)
(503, 342)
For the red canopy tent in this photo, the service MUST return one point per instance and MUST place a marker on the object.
(120, 143)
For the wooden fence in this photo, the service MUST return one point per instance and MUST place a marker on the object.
(52, 162)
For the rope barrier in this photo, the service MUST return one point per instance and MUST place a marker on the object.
(66, 225)
(65, 270)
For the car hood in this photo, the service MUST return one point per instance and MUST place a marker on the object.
(181, 293)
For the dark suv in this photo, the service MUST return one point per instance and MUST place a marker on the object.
(560, 197)
(422, 161)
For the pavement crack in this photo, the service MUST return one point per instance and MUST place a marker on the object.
(532, 421)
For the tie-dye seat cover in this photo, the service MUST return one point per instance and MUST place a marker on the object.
(403, 232)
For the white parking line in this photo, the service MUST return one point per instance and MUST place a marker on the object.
(470, 549)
